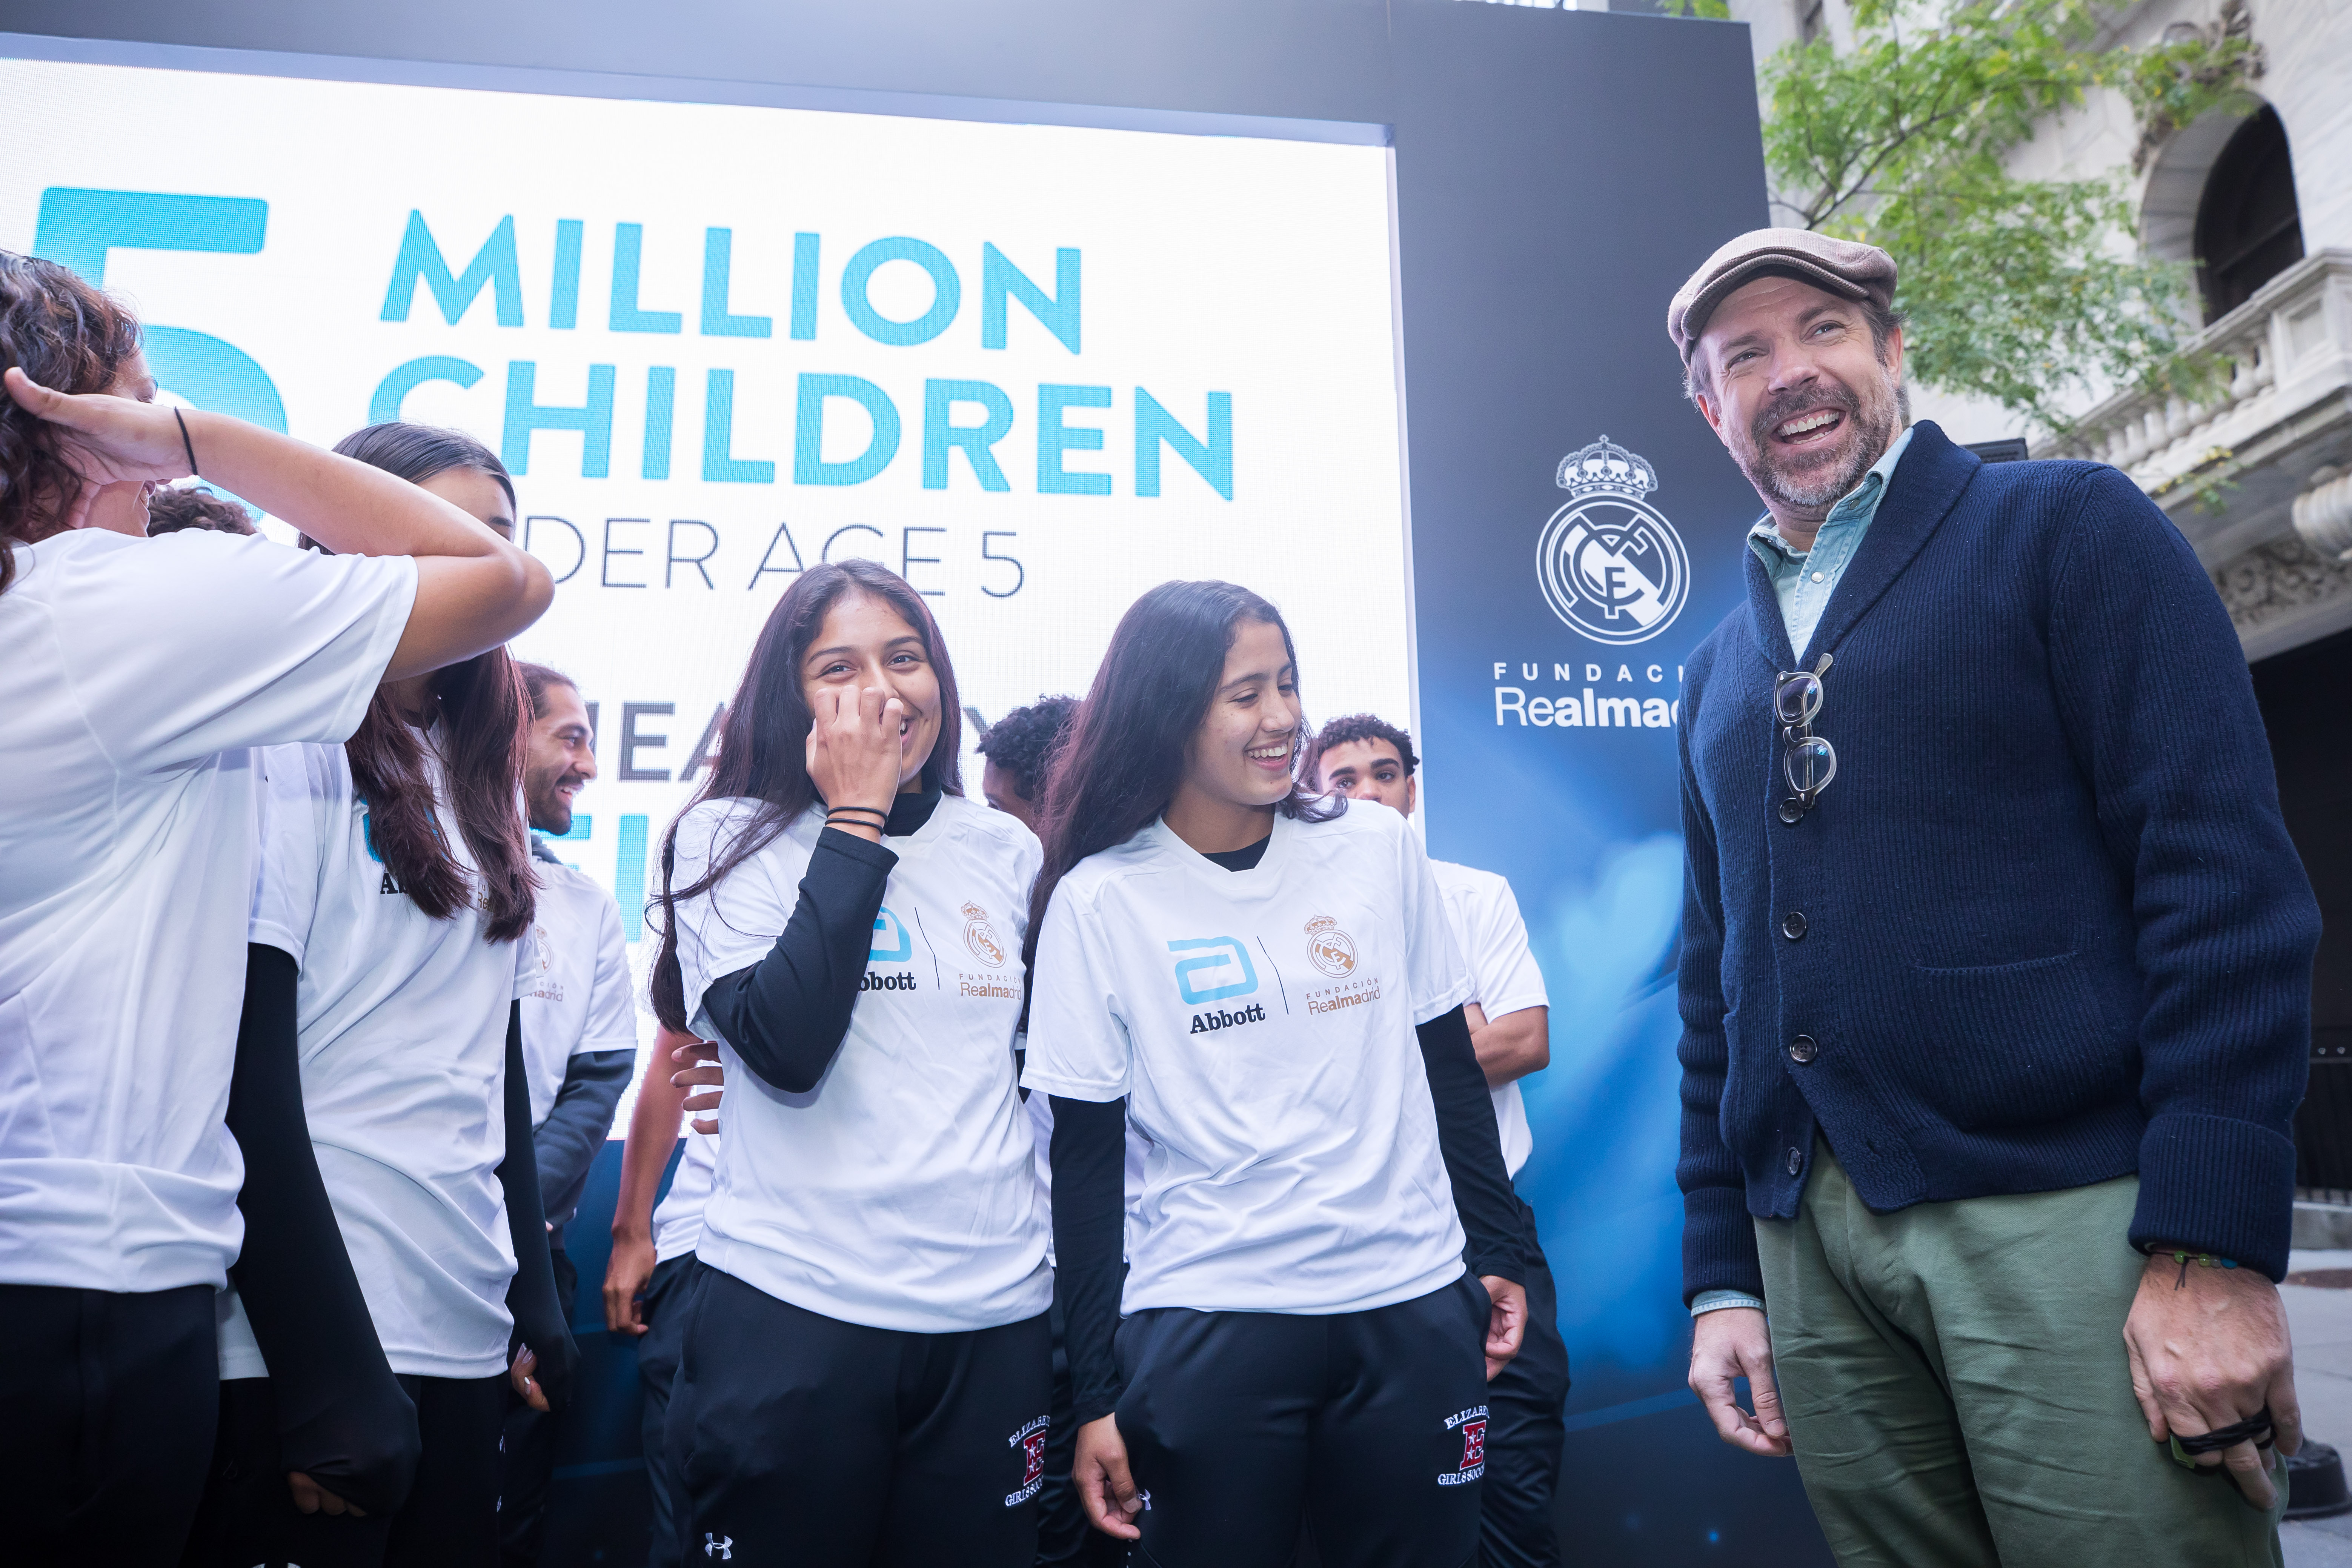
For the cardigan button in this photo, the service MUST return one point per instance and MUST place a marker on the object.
(1792, 925)
(1796, 1162)
(1803, 1049)
(1792, 813)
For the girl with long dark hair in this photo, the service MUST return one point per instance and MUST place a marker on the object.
(1264, 985)
(388, 932)
(139, 675)
(867, 1364)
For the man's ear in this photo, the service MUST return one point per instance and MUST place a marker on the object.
(1704, 398)
(1412, 794)
(1894, 356)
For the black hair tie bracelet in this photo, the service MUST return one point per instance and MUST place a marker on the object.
(2255, 1428)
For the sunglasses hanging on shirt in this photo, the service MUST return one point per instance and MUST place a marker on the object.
(1807, 761)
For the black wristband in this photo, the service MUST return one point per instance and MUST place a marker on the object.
(190, 447)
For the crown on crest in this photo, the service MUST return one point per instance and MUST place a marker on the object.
(1606, 467)
(1320, 924)
(974, 912)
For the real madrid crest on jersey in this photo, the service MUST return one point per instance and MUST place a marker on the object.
(981, 938)
(1332, 950)
(1610, 565)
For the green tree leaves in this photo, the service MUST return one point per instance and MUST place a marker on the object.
(2031, 292)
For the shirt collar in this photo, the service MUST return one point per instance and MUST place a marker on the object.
(1859, 504)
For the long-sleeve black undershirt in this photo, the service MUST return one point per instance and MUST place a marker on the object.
(787, 1015)
(566, 1143)
(342, 1419)
(1089, 1154)
(538, 1311)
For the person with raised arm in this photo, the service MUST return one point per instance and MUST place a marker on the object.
(140, 675)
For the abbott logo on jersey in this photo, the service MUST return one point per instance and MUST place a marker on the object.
(1220, 967)
(891, 943)
(1610, 565)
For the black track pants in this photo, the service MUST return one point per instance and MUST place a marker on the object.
(1529, 1400)
(450, 1519)
(665, 1302)
(820, 1444)
(527, 1454)
(107, 1407)
(1370, 1426)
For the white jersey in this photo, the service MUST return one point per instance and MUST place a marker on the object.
(139, 672)
(1260, 1025)
(678, 1218)
(1504, 979)
(579, 998)
(402, 1026)
(896, 1194)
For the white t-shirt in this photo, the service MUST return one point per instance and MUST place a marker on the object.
(898, 1192)
(678, 1218)
(1504, 979)
(1260, 1025)
(403, 1028)
(580, 998)
(139, 673)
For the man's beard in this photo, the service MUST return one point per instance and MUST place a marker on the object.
(549, 812)
(1869, 427)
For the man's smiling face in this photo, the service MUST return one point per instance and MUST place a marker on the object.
(1793, 382)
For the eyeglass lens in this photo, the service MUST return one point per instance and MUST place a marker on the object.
(1810, 765)
(1797, 697)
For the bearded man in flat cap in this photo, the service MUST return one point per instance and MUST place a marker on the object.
(1995, 978)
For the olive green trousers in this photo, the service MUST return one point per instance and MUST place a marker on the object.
(1956, 1383)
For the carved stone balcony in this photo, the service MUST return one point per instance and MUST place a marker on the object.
(2260, 478)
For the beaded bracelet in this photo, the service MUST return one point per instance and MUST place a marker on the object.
(2202, 1261)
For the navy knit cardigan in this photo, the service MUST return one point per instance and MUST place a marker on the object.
(2044, 928)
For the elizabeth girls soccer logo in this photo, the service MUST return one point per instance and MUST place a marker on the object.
(1610, 565)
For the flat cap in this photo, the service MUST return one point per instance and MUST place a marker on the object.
(1840, 266)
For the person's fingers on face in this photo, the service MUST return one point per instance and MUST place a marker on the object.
(705, 1126)
(306, 1495)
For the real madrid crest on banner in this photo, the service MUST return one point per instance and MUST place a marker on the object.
(1610, 565)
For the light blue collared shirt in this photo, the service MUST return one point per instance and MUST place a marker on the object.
(1804, 582)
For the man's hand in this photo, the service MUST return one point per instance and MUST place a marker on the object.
(625, 1282)
(310, 1497)
(2207, 1350)
(1098, 1470)
(1728, 1344)
(1506, 1325)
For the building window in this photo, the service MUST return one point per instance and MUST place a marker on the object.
(2247, 230)
(1811, 22)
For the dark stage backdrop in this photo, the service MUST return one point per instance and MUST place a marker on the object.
(1556, 176)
